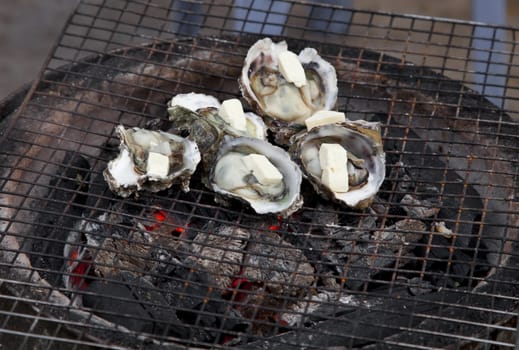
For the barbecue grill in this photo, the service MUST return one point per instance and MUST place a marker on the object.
(432, 263)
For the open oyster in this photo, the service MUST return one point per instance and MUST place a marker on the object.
(208, 107)
(365, 159)
(194, 101)
(151, 160)
(258, 173)
(205, 126)
(286, 104)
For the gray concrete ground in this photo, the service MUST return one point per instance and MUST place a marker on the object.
(28, 29)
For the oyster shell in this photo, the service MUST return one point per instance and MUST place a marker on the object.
(229, 177)
(366, 159)
(194, 101)
(285, 105)
(130, 171)
(205, 127)
(206, 106)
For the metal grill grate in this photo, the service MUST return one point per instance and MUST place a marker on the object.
(446, 93)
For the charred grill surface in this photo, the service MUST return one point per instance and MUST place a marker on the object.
(430, 256)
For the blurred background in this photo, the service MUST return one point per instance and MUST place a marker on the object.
(30, 28)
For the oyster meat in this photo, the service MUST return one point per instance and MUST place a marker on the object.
(151, 160)
(286, 104)
(275, 191)
(365, 159)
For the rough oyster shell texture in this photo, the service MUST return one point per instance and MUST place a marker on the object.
(228, 178)
(284, 105)
(207, 107)
(128, 173)
(196, 115)
(363, 142)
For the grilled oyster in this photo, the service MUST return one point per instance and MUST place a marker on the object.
(194, 101)
(258, 173)
(151, 160)
(286, 104)
(365, 159)
(208, 107)
(206, 127)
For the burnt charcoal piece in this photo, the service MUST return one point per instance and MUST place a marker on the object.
(369, 262)
(419, 208)
(220, 252)
(423, 178)
(401, 238)
(73, 185)
(448, 262)
(282, 267)
(190, 289)
(369, 254)
(418, 286)
(323, 253)
(134, 303)
(322, 216)
(67, 195)
(358, 325)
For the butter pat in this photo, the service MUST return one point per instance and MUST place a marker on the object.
(157, 165)
(335, 179)
(324, 117)
(333, 159)
(332, 155)
(291, 69)
(232, 112)
(262, 169)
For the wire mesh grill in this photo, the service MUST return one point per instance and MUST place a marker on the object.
(432, 263)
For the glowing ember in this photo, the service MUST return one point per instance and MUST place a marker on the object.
(79, 273)
(160, 218)
(277, 226)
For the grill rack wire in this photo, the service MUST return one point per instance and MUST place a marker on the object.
(443, 89)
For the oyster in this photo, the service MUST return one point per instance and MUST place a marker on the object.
(285, 104)
(206, 127)
(194, 101)
(206, 106)
(151, 160)
(365, 159)
(277, 191)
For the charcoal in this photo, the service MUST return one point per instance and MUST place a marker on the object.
(359, 325)
(418, 286)
(399, 176)
(220, 252)
(372, 259)
(368, 254)
(317, 308)
(122, 254)
(324, 217)
(445, 256)
(68, 201)
(419, 208)
(278, 264)
(322, 252)
(401, 238)
(190, 288)
(134, 303)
